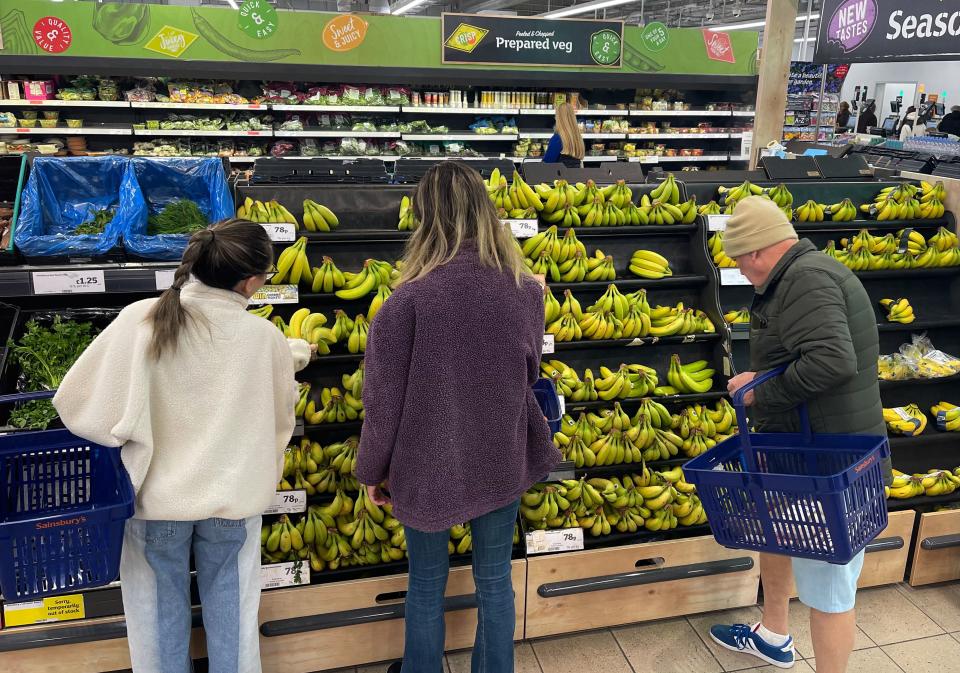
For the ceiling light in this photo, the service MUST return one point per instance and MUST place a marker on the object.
(758, 24)
(405, 7)
(805, 39)
(585, 7)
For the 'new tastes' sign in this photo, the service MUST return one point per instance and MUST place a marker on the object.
(853, 31)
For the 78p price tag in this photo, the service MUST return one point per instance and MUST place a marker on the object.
(280, 231)
(288, 502)
(550, 541)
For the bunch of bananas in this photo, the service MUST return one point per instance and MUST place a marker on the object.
(327, 277)
(383, 293)
(563, 320)
(307, 325)
(317, 217)
(781, 196)
(668, 191)
(943, 240)
(649, 264)
(560, 203)
(303, 395)
(264, 213)
(894, 368)
(315, 469)
(336, 406)
(662, 212)
(889, 208)
(293, 265)
(371, 276)
(618, 194)
(353, 383)
(710, 208)
(931, 200)
(811, 211)
(732, 195)
(909, 420)
(898, 310)
(904, 486)
(600, 213)
(844, 211)
(264, 311)
(357, 339)
(738, 317)
(566, 260)
(408, 221)
(720, 257)
(933, 483)
(930, 362)
(947, 416)
(865, 252)
(518, 200)
(694, 377)
(677, 320)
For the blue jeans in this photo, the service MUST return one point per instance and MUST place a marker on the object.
(496, 618)
(155, 582)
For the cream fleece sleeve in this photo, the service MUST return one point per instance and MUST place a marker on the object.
(300, 350)
(102, 396)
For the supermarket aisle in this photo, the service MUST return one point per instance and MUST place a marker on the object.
(901, 630)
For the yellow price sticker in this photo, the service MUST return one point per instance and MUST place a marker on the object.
(51, 609)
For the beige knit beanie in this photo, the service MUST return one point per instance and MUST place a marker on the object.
(756, 223)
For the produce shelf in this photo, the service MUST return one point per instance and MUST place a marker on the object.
(856, 225)
(66, 103)
(241, 107)
(919, 325)
(642, 341)
(702, 157)
(630, 402)
(624, 283)
(337, 357)
(887, 274)
(617, 539)
(326, 133)
(949, 380)
(678, 136)
(743, 113)
(634, 230)
(60, 131)
(428, 137)
(895, 505)
(580, 113)
(682, 113)
(263, 133)
(930, 439)
(335, 108)
(349, 426)
(479, 111)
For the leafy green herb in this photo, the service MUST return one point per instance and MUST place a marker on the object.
(45, 355)
(101, 218)
(182, 216)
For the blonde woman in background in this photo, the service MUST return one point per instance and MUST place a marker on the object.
(566, 145)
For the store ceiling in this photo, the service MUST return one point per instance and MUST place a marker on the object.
(673, 13)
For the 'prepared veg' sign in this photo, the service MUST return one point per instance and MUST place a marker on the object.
(506, 40)
(855, 31)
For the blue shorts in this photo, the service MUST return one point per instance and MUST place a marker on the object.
(825, 586)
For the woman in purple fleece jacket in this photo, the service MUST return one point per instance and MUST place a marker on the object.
(452, 423)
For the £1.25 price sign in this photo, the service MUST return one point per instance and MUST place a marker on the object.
(68, 282)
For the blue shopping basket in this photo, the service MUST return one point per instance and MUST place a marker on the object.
(64, 502)
(798, 494)
(549, 402)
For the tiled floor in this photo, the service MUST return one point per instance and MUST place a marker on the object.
(900, 630)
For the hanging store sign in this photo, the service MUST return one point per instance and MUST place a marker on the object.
(860, 31)
(506, 40)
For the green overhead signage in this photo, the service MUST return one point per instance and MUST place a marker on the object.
(258, 33)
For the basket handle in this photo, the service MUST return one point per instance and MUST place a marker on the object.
(741, 412)
(14, 398)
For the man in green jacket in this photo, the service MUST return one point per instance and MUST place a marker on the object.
(812, 312)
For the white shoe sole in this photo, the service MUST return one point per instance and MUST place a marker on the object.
(758, 655)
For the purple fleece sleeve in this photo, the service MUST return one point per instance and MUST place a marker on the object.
(386, 369)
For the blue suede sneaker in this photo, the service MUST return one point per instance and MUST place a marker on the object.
(741, 638)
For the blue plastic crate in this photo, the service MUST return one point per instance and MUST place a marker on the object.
(798, 494)
(549, 403)
(64, 502)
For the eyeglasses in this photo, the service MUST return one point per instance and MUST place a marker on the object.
(271, 272)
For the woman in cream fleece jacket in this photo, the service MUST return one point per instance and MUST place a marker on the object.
(199, 395)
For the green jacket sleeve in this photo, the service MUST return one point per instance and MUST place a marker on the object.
(813, 328)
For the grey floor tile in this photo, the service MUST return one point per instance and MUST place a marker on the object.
(382, 668)
(729, 660)
(886, 617)
(524, 660)
(800, 630)
(800, 667)
(940, 654)
(669, 646)
(873, 660)
(575, 653)
(939, 602)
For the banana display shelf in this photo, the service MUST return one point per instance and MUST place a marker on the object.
(934, 294)
(367, 229)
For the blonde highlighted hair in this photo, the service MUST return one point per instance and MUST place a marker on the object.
(453, 207)
(569, 132)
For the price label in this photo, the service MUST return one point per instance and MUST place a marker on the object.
(280, 231)
(563, 404)
(164, 278)
(732, 277)
(548, 344)
(746, 143)
(902, 413)
(51, 609)
(549, 541)
(254, 133)
(24, 130)
(644, 160)
(522, 228)
(276, 294)
(289, 574)
(68, 282)
(288, 502)
(717, 222)
(36, 102)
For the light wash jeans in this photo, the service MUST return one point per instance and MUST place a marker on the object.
(155, 582)
(496, 616)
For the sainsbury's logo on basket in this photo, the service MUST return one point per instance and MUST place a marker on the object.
(865, 464)
(75, 521)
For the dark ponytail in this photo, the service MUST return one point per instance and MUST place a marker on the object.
(220, 256)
